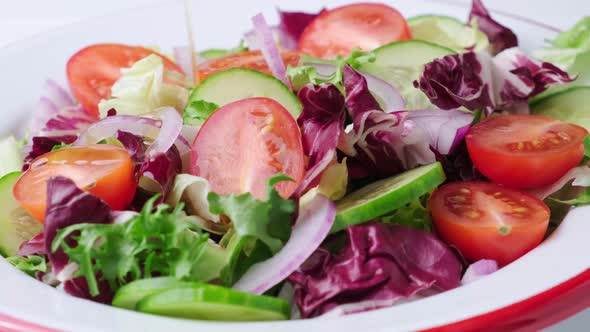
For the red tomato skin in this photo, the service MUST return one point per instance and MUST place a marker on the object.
(525, 170)
(240, 163)
(116, 188)
(481, 240)
(373, 25)
(91, 73)
(247, 59)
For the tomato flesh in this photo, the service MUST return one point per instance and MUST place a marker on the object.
(487, 221)
(93, 70)
(248, 59)
(244, 143)
(525, 151)
(105, 171)
(340, 30)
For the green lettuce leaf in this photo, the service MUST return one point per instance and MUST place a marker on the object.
(144, 88)
(260, 227)
(302, 75)
(415, 214)
(29, 264)
(570, 50)
(197, 112)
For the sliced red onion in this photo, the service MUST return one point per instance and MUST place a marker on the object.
(580, 175)
(446, 129)
(169, 131)
(184, 59)
(188, 133)
(479, 269)
(109, 126)
(269, 49)
(387, 95)
(53, 99)
(164, 132)
(316, 217)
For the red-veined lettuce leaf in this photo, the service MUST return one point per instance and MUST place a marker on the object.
(500, 37)
(479, 81)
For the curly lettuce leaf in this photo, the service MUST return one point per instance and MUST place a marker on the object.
(415, 214)
(156, 242)
(260, 228)
(29, 264)
(144, 87)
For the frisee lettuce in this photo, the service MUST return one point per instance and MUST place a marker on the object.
(29, 264)
(415, 214)
(160, 242)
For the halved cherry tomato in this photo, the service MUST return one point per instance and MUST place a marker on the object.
(247, 59)
(93, 70)
(244, 143)
(525, 151)
(340, 30)
(485, 220)
(106, 171)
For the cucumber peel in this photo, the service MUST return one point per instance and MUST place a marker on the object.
(400, 63)
(571, 105)
(16, 225)
(234, 84)
(387, 195)
(448, 32)
(211, 302)
(128, 295)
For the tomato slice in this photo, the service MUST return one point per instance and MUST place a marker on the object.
(106, 171)
(485, 220)
(244, 143)
(340, 30)
(247, 59)
(525, 151)
(93, 70)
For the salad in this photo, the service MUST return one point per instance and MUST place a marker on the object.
(337, 162)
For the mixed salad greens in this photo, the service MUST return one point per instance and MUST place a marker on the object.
(335, 163)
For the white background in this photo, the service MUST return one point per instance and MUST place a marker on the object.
(23, 18)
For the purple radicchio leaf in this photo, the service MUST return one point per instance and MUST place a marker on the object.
(500, 37)
(291, 26)
(40, 145)
(381, 263)
(56, 113)
(34, 246)
(68, 205)
(160, 169)
(321, 123)
(385, 143)
(479, 81)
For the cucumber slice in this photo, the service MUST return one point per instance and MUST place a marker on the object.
(211, 302)
(16, 225)
(383, 196)
(10, 154)
(448, 32)
(571, 105)
(128, 295)
(239, 83)
(400, 63)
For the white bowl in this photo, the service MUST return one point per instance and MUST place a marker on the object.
(546, 285)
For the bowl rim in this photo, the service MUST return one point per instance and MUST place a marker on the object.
(537, 311)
